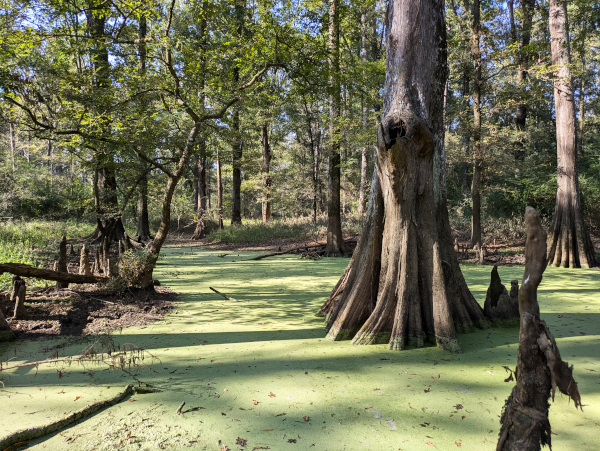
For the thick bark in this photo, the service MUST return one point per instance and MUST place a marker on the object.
(266, 167)
(570, 244)
(477, 150)
(362, 190)
(403, 285)
(540, 369)
(335, 240)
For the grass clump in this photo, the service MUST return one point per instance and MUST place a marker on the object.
(31, 242)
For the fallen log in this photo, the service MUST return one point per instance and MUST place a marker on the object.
(20, 269)
(24, 435)
(318, 249)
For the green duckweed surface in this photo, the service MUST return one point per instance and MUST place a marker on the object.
(258, 373)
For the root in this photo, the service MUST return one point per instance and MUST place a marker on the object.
(27, 434)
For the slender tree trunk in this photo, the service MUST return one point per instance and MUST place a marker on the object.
(582, 87)
(362, 194)
(200, 231)
(403, 285)
(143, 226)
(477, 149)
(570, 244)
(13, 144)
(219, 192)
(236, 207)
(335, 240)
(266, 166)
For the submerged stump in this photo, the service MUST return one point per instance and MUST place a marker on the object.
(540, 369)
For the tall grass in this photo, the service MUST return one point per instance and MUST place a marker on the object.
(32, 242)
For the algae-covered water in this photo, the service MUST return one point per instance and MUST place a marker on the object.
(256, 372)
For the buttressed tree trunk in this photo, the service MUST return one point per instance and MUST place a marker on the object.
(570, 244)
(403, 285)
(540, 369)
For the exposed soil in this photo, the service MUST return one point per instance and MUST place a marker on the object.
(87, 310)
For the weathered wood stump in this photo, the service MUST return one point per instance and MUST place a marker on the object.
(62, 262)
(540, 369)
(18, 297)
(84, 262)
(500, 306)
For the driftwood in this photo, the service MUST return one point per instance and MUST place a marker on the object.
(223, 295)
(312, 250)
(23, 270)
(540, 369)
(26, 434)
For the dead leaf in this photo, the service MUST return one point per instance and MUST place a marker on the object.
(291, 440)
(458, 406)
(224, 448)
(77, 397)
(255, 402)
(241, 442)
(430, 444)
(463, 417)
(260, 447)
(61, 392)
(458, 444)
(306, 418)
(271, 394)
(427, 390)
(268, 430)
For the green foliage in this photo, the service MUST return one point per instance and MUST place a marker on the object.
(134, 264)
(35, 242)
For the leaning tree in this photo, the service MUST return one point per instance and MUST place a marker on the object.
(403, 284)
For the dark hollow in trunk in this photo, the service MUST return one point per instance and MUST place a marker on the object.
(540, 369)
(403, 285)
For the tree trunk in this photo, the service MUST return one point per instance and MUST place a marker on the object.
(335, 240)
(84, 261)
(143, 227)
(23, 270)
(105, 190)
(236, 146)
(403, 285)
(570, 244)
(200, 188)
(266, 166)
(362, 190)
(477, 150)
(540, 369)
(219, 192)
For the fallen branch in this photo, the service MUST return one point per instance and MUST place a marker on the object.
(31, 433)
(318, 249)
(20, 269)
(223, 295)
